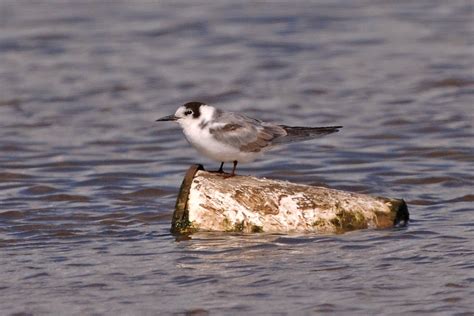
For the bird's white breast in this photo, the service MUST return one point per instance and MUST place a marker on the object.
(207, 145)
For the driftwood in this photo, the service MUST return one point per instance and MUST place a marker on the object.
(209, 202)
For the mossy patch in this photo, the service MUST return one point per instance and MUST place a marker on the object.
(240, 227)
(256, 229)
(184, 226)
(320, 223)
(346, 221)
(233, 227)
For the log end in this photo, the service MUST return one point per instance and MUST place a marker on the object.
(400, 208)
(180, 222)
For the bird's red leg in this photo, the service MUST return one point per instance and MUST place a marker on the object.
(233, 170)
(221, 170)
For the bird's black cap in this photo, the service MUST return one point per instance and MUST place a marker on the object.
(195, 107)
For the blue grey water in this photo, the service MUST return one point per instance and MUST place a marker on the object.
(88, 180)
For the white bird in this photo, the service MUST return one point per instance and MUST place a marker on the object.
(232, 137)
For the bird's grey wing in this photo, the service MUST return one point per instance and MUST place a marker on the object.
(245, 133)
(298, 133)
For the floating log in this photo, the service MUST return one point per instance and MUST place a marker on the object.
(209, 202)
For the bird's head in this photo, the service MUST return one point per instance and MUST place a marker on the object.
(191, 113)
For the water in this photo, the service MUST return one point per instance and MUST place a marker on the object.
(88, 179)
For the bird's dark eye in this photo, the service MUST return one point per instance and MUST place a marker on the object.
(188, 112)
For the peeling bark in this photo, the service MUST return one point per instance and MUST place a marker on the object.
(210, 202)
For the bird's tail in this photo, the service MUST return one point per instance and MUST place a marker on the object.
(298, 133)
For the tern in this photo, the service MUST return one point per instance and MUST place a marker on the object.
(233, 137)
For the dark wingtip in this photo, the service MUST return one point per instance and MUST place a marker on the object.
(330, 129)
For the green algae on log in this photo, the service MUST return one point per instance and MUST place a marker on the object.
(209, 202)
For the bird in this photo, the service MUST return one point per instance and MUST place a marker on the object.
(234, 137)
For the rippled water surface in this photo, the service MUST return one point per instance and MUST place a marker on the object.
(88, 180)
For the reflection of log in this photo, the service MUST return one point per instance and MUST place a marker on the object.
(210, 202)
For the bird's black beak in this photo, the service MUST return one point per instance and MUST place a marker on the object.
(167, 118)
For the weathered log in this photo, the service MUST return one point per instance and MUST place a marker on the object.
(209, 202)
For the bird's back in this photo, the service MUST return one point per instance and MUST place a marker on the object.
(250, 128)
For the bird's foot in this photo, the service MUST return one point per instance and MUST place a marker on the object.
(228, 175)
(225, 174)
(220, 170)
